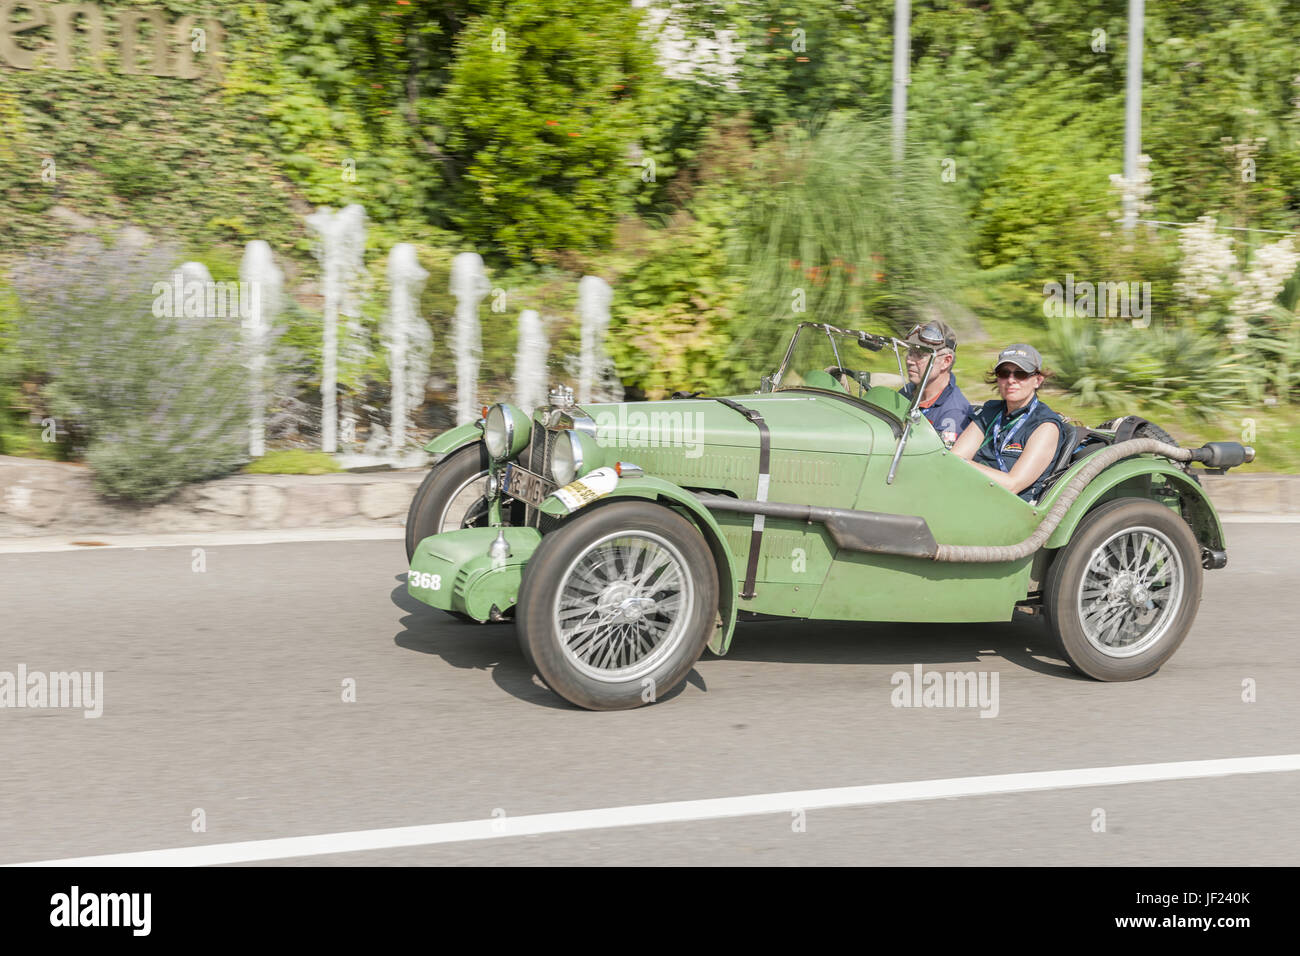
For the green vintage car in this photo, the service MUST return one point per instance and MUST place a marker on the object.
(625, 538)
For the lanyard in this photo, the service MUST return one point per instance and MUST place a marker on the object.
(996, 432)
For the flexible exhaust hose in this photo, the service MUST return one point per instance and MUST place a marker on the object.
(1097, 463)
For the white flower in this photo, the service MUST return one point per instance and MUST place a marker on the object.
(1272, 267)
(1208, 262)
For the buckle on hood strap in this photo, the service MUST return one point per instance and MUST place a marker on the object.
(764, 480)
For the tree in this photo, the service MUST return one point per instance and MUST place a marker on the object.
(541, 114)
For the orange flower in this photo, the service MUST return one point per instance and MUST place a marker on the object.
(552, 122)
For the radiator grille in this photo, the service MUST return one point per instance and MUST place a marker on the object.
(538, 457)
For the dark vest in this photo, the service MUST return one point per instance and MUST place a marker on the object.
(1013, 435)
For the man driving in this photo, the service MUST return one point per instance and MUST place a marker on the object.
(942, 402)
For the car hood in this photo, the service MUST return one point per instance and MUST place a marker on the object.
(797, 421)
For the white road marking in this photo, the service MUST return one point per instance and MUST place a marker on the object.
(681, 811)
(196, 539)
(1245, 518)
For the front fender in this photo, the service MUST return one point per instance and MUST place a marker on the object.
(656, 489)
(452, 439)
(1133, 477)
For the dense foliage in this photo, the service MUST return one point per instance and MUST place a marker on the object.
(724, 164)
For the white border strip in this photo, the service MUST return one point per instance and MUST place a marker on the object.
(195, 539)
(680, 811)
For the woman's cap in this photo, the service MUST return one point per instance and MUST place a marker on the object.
(1022, 356)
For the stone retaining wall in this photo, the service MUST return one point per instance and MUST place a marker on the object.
(42, 497)
(45, 497)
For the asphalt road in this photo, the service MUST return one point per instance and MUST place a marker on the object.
(223, 691)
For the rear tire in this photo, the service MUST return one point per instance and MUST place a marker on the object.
(1122, 595)
(616, 606)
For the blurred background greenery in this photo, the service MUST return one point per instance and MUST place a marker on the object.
(724, 165)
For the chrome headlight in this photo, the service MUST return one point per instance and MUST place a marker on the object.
(497, 432)
(574, 455)
(505, 431)
(566, 458)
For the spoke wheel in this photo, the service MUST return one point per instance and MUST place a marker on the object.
(1123, 594)
(623, 605)
(616, 604)
(1130, 591)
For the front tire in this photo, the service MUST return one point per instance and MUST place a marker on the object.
(453, 495)
(616, 606)
(1124, 593)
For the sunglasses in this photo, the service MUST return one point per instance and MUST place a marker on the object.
(1007, 371)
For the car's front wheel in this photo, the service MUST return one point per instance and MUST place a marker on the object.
(615, 607)
(454, 495)
(1125, 591)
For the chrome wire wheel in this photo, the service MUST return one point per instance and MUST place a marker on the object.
(623, 606)
(1131, 591)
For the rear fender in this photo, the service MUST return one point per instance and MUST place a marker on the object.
(656, 489)
(1142, 478)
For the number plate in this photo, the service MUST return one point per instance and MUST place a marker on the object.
(523, 484)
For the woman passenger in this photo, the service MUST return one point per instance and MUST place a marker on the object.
(1015, 439)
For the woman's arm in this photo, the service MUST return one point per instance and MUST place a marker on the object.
(1037, 455)
(968, 442)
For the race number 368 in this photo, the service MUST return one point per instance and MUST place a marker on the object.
(422, 579)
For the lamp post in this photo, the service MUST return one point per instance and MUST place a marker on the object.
(1133, 111)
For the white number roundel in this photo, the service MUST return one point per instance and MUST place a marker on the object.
(422, 579)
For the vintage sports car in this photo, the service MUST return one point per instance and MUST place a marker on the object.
(625, 538)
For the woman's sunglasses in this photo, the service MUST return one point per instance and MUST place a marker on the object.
(1006, 371)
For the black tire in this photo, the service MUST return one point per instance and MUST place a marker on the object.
(1147, 430)
(1168, 559)
(428, 507)
(674, 641)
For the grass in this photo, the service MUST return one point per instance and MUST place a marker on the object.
(293, 461)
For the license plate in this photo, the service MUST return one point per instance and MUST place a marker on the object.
(523, 484)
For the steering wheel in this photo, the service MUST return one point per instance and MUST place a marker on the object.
(862, 378)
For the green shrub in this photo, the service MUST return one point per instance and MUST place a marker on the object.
(157, 400)
(671, 316)
(540, 111)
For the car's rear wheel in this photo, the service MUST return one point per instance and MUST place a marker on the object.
(1124, 592)
(615, 606)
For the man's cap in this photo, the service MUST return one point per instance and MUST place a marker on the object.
(936, 334)
(1022, 356)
